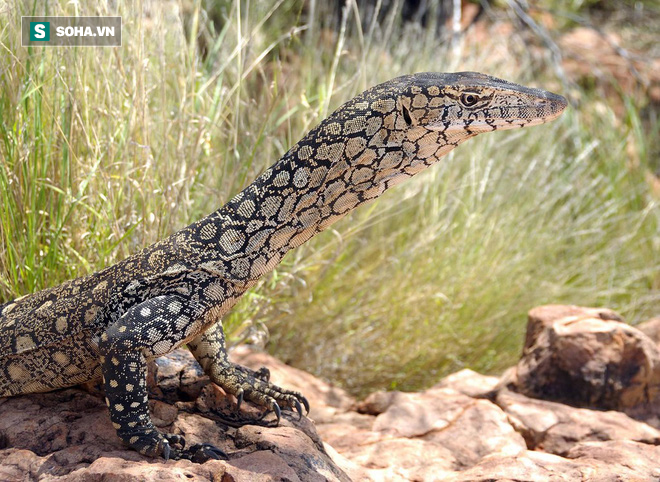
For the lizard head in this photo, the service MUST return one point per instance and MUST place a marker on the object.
(463, 104)
(396, 129)
(423, 116)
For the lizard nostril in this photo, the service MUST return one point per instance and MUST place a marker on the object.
(556, 103)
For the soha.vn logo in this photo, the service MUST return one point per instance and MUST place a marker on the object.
(85, 31)
(99, 31)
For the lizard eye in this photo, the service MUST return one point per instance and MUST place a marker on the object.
(468, 100)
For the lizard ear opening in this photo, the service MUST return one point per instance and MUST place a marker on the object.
(406, 115)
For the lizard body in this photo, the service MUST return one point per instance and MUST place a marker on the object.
(174, 292)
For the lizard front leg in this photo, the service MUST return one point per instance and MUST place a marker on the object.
(150, 329)
(209, 350)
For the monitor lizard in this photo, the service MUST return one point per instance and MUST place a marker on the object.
(107, 325)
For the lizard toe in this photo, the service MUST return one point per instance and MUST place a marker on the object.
(175, 439)
(263, 374)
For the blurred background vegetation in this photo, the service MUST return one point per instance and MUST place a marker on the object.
(104, 151)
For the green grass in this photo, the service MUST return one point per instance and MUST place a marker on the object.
(104, 151)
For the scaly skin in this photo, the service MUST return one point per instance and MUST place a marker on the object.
(174, 292)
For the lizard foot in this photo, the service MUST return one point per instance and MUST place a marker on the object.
(198, 453)
(150, 442)
(246, 384)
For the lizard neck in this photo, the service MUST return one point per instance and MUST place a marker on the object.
(285, 206)
(349, 159)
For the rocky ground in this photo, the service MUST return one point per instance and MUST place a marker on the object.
(583, 403)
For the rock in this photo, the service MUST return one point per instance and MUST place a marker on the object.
(470, 383)
(588, 357)
(297, 456)
(470, 429)
(17, 464)
(376, 403)
(651, 328)
(440, 425)
(48, 423)
(557, 428)
(541, 318)
(404, 459)
(592, 461)
(385, 457)
(122, 470)
(618, 460)
(526, 467)
(176, 377)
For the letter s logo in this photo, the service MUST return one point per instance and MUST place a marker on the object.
(39, 31)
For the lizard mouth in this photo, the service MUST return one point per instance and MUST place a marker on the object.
(552, 104)
(541, 108)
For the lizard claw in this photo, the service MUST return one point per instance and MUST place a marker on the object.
(166, 451)
(299, 409)
(306, 404)
(239, 399)
(278, 412)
